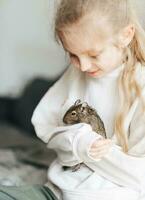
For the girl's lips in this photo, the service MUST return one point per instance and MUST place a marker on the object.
(93, 73)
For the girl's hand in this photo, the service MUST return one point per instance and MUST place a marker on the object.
(100, 148)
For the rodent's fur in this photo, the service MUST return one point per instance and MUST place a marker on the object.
(83, 113)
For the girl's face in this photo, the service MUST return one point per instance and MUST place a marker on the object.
(91, 47)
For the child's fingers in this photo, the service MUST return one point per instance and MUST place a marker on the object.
(98, 155)
(98, 149)
(98, 143)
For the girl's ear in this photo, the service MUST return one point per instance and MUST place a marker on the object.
(126, 36)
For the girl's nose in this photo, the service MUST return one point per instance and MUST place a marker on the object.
(85, 64)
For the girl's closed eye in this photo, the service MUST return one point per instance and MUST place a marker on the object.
(94, 57)
(75, 57)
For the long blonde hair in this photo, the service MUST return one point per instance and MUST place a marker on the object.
(120, 14)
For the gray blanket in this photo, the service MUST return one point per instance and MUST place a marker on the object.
(23, 159)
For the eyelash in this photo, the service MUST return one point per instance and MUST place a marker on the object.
(74, 56)
(94, 57)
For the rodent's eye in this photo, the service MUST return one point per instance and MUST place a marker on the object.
(73, 113)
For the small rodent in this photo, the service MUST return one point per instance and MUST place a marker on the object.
(83, 113)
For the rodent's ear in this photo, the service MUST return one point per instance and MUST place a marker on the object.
(84, 104)
(92, 111)
(77, 102)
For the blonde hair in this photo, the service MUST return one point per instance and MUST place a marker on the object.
(120, 14)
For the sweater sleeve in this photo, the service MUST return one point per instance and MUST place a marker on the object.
(117, 166)
(46, 118)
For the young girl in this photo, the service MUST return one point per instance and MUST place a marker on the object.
(105, 43)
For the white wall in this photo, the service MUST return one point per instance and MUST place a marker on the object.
(27, 46)
(139, 5)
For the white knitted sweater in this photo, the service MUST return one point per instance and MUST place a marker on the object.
(116, 176)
